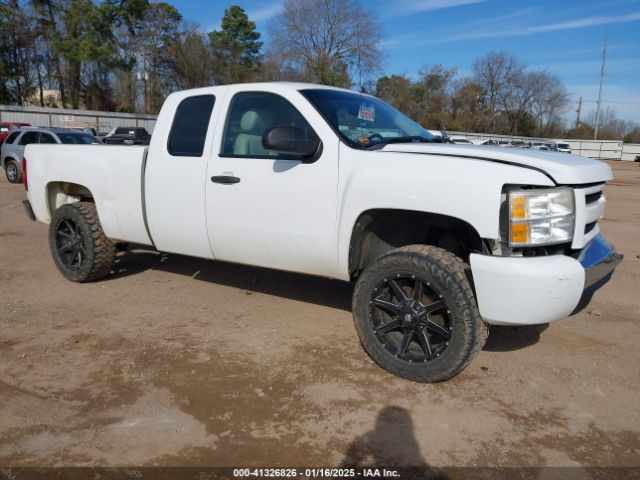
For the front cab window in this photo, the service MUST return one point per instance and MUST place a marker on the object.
(251, 115)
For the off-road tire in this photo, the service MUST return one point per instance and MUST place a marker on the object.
(12, 171)
(447, 274)
(99, 250)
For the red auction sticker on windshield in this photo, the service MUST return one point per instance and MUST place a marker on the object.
(367, 113)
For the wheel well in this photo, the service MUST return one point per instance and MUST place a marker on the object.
(63, 193)
(378, 231)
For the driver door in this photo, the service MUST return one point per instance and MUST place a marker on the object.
(265, 208)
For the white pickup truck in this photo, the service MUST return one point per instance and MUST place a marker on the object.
(441, 240)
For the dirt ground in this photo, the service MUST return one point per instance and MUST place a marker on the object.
(175, 361)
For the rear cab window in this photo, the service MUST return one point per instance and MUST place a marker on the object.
(190, 126)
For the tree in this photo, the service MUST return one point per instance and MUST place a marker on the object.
(494, 73)
(193, 65)
(398, 91)
(326, 41)
(467, 112)
(155, 34)
(236, 48)
(550, 101)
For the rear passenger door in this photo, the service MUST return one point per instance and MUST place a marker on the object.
(175, 174)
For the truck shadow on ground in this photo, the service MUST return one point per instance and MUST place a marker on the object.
(293, 286)
(506, 338)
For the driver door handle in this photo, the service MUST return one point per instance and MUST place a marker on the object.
(225, 179)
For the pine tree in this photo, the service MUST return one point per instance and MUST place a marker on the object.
(236, 48)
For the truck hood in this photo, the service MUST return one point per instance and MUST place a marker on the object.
(563, 168)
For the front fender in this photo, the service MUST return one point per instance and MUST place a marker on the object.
(466, 189)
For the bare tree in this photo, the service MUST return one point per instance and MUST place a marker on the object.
(550, 101)
(494, 72)
(326, 41)
(193, 65)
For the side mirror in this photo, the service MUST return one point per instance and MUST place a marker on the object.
(292, 140)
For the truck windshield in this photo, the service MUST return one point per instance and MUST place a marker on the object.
(364, 121)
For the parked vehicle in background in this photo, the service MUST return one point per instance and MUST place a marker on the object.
(520, 144)
(439, 239)
(437, 136)
(505, 143)
(12, 150)
(89, 130)
(539, 146)
(128, 136)
(488, 142)
(460, 140)
(7, 127)
(563, 147)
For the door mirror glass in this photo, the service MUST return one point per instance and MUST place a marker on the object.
(292, 140)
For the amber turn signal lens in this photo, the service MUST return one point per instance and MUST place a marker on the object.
(519, 233)
(518, 206)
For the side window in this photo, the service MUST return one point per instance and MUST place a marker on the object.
(29, 137)
(190, 126)
(46, 138)
(12, 137)
(251, 114)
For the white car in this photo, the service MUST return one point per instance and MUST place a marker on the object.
(440, 240)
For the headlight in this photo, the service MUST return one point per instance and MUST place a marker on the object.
(541, 217)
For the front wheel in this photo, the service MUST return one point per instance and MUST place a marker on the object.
(80, 249)
(416, 315)
(12, 171)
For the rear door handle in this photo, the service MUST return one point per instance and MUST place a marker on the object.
(225, 179)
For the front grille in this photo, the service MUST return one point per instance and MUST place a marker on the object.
(590, 203)
(593, 197)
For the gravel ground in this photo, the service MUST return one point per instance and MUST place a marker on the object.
(174, 361)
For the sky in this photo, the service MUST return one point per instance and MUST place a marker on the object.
(563, 37)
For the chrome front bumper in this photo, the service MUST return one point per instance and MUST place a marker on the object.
(599, 260)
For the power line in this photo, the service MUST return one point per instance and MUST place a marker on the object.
(621, 102)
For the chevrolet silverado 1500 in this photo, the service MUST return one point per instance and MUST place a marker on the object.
(441, 240)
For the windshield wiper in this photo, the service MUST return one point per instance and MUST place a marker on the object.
(413, 138)
(407, 139)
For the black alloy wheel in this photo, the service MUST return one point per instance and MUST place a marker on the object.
(70, 245)
(410, 318)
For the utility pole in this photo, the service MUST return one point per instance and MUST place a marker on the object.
(578, 111)
(604, 62)
(144, 76)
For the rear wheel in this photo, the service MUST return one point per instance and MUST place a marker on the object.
(80, 249)
(416, 314)
(12, 171)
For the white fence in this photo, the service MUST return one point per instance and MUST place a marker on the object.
(68, 118)
(601, 149)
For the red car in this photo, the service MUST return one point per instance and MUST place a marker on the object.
(7, 127)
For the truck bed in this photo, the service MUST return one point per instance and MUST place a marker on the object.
(113, 175)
